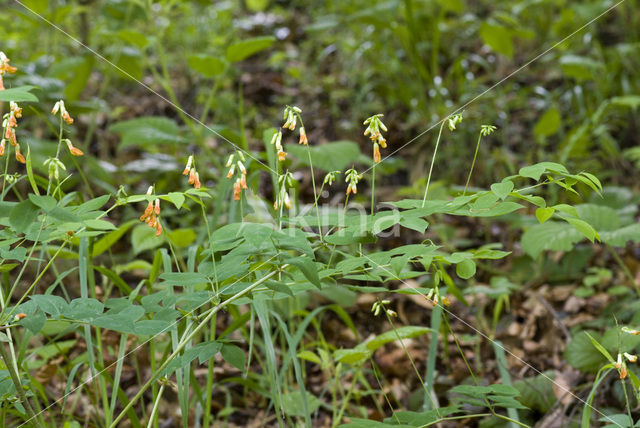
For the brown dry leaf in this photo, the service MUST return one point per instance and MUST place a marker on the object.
(564, 381)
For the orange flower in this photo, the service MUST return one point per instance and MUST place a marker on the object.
(19, 316)
(282, 155)
(376, 153)
(59, 106)
(237, 190)
(196, 183)
(187, 168)
(2, 147)
(158, 229)
(74, 150)
(303, 137)
(19, 156)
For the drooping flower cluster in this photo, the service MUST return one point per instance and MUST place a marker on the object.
(241, 174)
(621, 363)
(351, 178)
(454, 120)
(190, 170)
(277, 140)
(374, 131)
(9, 125)
(64, 115)
(285, 181)
(291, 116)
(5, 68)
(59, 106)
(151, 213)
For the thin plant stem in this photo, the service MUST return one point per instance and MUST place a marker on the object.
(475, 155)
(345, 401)
(433, 160)
(373, 189)
(156, 403)
(15, 378)
(186, 340)
(315, 194)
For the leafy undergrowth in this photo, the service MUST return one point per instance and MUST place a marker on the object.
(220, 277)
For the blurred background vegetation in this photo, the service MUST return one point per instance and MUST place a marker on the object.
(232, 65)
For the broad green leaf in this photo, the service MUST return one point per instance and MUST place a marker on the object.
(335, 156)
(583, 227)
(182, 237)
(548, 124)
(551, 235)
(354, 356)
(23, 214)
(245, 48)
(535, 171)
(309, 356)
(144, 238)
(99, 224)
(50, 304)
(497, 38)
(147, 131)
(233, 355)
(19, 94)
(502, 189)
(183, 279)
(581, 353)
(307, 267)
(134, 38)
(544, 214)
(368, 423)
(208, 66)
(405, 332)
(466, 269)
(292, 403)
(579, 67)
(104, 243)
(176, 198)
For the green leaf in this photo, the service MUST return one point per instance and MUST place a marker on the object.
(307, 267)
(182, 237)
(20, 94)
(122, 321)
(535, 171)
(548, 124)
(245, 48)
(497, 38)
(208, 66)
(579, 67)
(34, 322)
(583, 227)
(50, 304)
(183, 279)
(551, 235)
(23, 214)
(134, 38)
(147, 131)
(600, 348)
(405, 332)
(176, 198)
(292, 403)
(354, 356)
(581, 353)
(466, 269)
(99, 224)
(233, 355)
(144, 238)
(335, 156)
(544, 214)
(107, 241)
(502, 189)
(309, 356)
(368, 423)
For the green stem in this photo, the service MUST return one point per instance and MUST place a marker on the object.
(433, 160)
(475, 155)
(315, 194)
(15, 378)
(345, 401)
(183, 342)
(373, 190)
